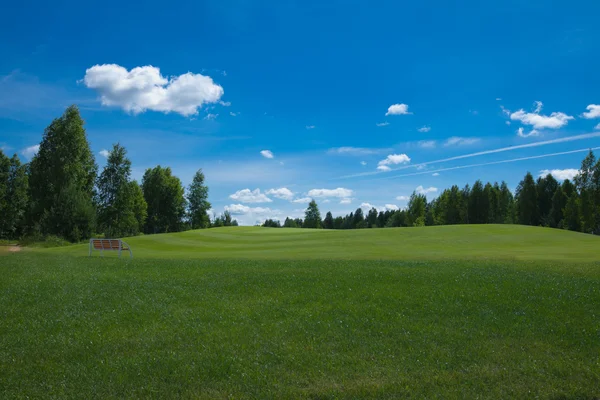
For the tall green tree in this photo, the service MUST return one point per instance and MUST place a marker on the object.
(358, 219)
(328, 221)
(587, 187)
(164, 195)
(17, 199)
(417, 208)
(140, 207)
(372, 218)
(527, 201)
(62, 178)
(479, 204)
(198, 202)
(116, 201)
(4, 194)
(506, 205)
(312, 216)
(546, 187)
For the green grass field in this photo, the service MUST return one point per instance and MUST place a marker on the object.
(440, 312)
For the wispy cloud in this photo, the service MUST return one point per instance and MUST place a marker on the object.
(486, 152)
(424, 129)
(30, 152)
(380, 124)
(104, 153)
(310, 127)
(521, 133)
(338, 192)
(421, 190)
(461, 141)
(427, 144)
(357, 151)
(538, 121)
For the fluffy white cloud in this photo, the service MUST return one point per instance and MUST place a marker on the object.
(521, 133)
(346, 201)
(403, 198)
(553, 121)
(267, 154)
(367, 206)
(310, 127)
(252, 215)
(392, 159)
(391, 207)
(339, 193)
(560, 174)
(424, 129)
(422, 190)
(593, 111)
(382, 124)
(31, 151)
(435, 174)
(302, 200)
(427, 144)
(398, 109)
(461, 141)
(144, 88)
(104, 153)
(388, 207)
(250, 196)
(281, 193)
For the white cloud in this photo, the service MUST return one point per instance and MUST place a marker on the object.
(225, 103)
(597, 127)
(398, 109)
(392, 159)
(251, 215)
(210, 116)
(355, 151)
(422, 190)
(31, 151)
(424, 129)
(391, 207)
(339, 193)
(521, 133)
(593, 111)
(427, 144)
(560, 174)
(363, 163)
(553, 121)
(144, 88)
(104, 153)
(302, 200)
(403, 198)
(498, 99)
(281, 193)
(382, 124)
(346, 201)
(505, 111)
(367, 206)
(250, 196)
(507, 122)
(233, 114)
(435, 174)
(267, 154)
(310, 127)
(461, 141)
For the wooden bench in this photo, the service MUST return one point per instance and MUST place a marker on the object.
(109, 245)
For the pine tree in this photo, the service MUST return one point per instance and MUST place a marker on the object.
(527, 202)
(198, 202)
(328, 221)
(312, 216)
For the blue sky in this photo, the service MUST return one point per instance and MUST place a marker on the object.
(211, 85)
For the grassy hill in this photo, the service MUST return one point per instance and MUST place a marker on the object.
(430, 243)
(460, 312)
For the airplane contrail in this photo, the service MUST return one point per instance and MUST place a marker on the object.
(485, 152)
(489, 163)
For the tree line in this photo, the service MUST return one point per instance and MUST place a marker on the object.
(60, 192)
(543, 202)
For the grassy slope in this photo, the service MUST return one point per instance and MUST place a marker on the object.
(431, 243)
(470, 322)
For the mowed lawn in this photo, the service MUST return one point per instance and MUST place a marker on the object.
(444, 312)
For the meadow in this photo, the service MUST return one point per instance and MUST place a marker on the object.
(479, 311)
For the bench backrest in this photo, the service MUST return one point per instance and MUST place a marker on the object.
(108, 245)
